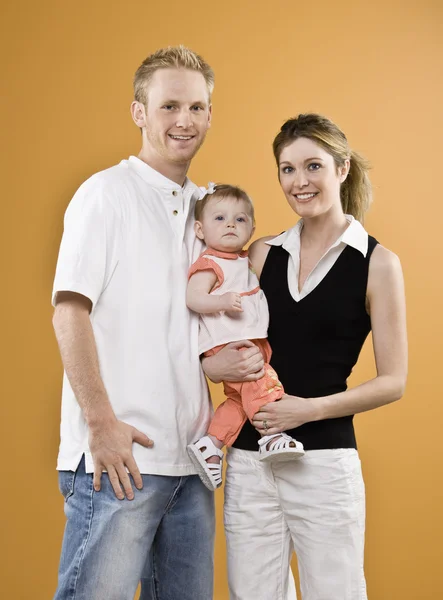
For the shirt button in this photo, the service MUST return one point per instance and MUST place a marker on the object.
(174, 193)
(175, 212)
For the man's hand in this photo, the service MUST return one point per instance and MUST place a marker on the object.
(231, 302)
(237, 361)
(111, 449)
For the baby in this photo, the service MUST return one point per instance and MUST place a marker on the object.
(223, 288)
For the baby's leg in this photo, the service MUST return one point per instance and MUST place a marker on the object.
(223, 430)
(229, 417)
(227, 422)
(255, 394)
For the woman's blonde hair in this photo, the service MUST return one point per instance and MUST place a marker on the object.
(172, 57)
(356, 190)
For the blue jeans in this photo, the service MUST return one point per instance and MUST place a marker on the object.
(164, 538)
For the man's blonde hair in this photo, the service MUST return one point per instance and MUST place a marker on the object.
(172, 57)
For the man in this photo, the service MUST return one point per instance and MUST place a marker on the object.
(134, 394)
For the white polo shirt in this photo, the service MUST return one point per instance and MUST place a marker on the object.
(127, 245)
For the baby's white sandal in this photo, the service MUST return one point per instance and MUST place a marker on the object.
(279, 447)
(209, 473)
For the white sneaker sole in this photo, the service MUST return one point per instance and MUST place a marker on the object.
(201, 465)
(285, 454)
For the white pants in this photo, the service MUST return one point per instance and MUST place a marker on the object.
(315, 505)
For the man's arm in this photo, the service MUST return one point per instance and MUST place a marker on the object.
(200, 300)
(110, 440)
(237, 361)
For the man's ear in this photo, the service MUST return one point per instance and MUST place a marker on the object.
(198, 228)
(210, 116)
(138, 113)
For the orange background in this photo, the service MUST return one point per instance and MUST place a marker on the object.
(373, 67)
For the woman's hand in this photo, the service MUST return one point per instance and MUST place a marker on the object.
(285, 414)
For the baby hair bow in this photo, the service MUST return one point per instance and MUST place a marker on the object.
(209, 190)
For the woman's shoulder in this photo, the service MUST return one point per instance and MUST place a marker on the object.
(258, 251)
(383, 259)
(385, 269)
(261, 242)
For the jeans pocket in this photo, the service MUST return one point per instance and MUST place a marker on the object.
(66, 483)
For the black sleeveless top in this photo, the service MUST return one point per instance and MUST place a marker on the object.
(316, 341)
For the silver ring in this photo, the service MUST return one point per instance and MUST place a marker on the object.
(265, 425)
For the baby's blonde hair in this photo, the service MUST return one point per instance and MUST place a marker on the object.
(224, 190)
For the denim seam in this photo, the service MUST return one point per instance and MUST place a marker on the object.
(174, 496)
(71, 491)
(73, 589)
(155, 595)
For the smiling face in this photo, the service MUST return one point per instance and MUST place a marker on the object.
(310, 178)
(226, 224)
(175, 119)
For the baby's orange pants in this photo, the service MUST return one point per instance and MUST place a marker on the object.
(243, 400)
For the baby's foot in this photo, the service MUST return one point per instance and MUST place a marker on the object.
(279, 447)
(208, 460)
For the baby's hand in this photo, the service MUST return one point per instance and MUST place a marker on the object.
(231, 302)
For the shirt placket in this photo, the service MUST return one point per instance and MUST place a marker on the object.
(178, 209)
(175, 210)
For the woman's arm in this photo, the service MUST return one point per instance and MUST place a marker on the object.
(386, 302)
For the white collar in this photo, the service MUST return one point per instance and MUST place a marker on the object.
(355, 235)
(156, 179)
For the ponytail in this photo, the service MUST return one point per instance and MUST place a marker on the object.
(356, 190)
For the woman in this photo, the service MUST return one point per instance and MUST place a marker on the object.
(327, 283)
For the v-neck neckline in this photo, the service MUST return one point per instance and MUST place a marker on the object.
(319, 283)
